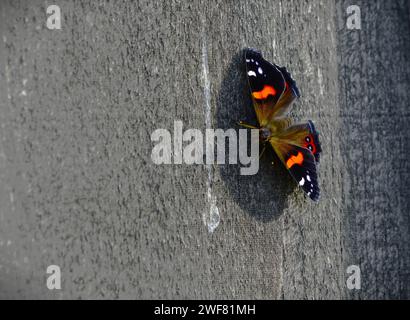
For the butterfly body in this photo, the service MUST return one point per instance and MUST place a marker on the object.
(297, 145)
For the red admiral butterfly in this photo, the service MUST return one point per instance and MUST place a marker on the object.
(297, 145)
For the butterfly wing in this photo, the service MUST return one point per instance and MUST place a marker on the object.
(290, 94)
(298, 147)
(304, 135)
(273, 89)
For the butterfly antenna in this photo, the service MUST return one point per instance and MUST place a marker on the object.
(245, 125)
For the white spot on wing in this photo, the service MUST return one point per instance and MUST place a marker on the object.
(308, 178)
(260, 70)
(302, 182)
(251, 73)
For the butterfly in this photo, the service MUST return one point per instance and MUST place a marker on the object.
(297, 144)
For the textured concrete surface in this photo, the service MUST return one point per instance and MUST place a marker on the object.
(79, 189)
(374, 102)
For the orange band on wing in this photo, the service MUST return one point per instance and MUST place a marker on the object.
(295, 160)
(264, 93)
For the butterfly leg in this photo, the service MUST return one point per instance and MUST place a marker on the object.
(245, 125)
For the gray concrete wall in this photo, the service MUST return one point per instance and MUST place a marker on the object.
(374, 78)
(79, 189)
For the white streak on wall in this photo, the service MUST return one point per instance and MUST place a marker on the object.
(210, 216)
(320, 80)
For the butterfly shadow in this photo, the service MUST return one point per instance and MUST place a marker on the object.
(264, 195)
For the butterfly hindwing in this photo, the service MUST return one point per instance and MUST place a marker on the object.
(290, 94)
(303, 135)
(301, 164)
(272, 87)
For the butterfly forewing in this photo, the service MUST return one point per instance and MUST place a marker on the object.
(272, 87)
(267, 85)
